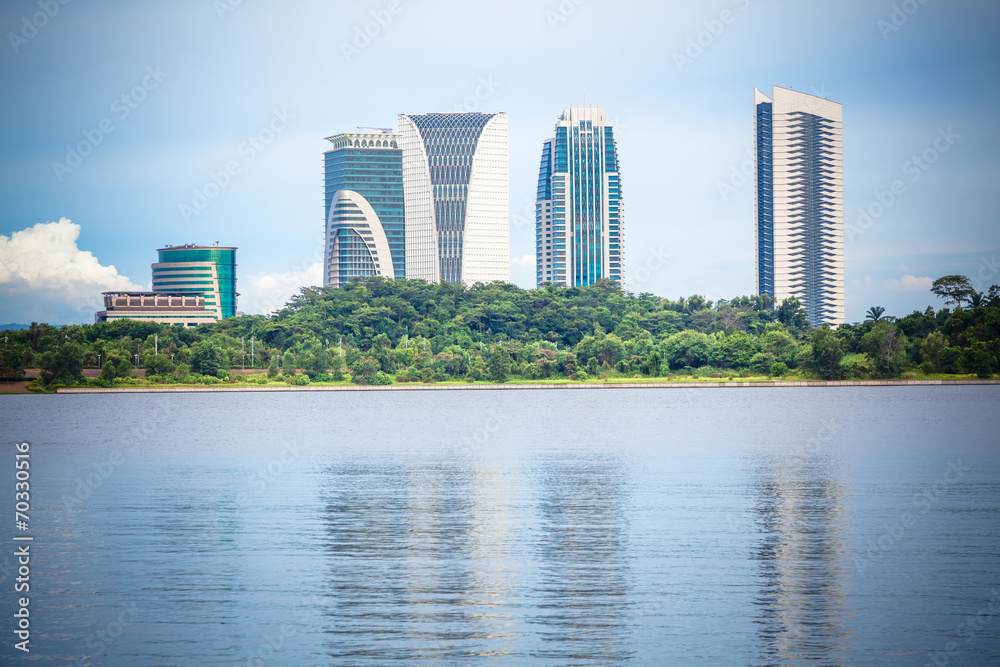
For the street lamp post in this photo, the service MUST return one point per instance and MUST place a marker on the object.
(98, 362)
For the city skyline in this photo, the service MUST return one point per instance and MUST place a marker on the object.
(138, 142)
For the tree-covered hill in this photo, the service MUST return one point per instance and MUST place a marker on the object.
(382, 331)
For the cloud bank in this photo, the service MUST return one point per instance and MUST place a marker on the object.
(263, 293)
(910, 283)
(45, 277)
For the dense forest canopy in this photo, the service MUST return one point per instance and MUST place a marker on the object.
(382, 331)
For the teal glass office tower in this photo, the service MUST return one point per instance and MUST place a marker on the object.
(199, 270)
(579, 218)
(363, 208)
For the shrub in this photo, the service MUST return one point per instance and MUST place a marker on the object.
(402, 378)
(927, 367)
(298, 380)
(381, 378)
(762, 362)
(209, 379)
(856, 367)
(222, 374)
(779, 369)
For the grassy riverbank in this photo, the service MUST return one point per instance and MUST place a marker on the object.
(241, 383)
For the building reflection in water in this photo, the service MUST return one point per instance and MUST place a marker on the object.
(420, 561)
(582, 592)
(801, 560)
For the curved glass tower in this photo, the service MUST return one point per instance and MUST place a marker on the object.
(363, 206)
(578, 208)
(206, 270)
(800, 202)
(455, 185)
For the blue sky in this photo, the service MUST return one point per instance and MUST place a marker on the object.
(201, 78)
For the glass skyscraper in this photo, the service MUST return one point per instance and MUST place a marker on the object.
(800, 202)
(363, 206)
(199, 270)
(578, 209)
(456, 195)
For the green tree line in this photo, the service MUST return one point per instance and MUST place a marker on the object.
(382, 331)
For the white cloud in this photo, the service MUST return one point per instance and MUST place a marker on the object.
(522, 271)
(45, 276)
(263, 293)
(909, 283)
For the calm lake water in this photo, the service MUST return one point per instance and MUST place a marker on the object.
(650, 526)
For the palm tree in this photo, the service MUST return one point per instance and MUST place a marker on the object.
(976, 299)
(874, 313)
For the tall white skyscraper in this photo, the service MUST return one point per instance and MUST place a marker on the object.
(578, 208)
(800, 202)
(455, 195)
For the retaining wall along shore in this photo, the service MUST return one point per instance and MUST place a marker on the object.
(565, 385)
